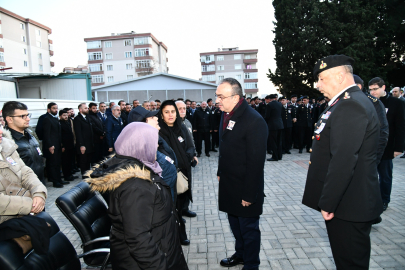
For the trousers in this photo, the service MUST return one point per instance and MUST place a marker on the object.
(385, 176)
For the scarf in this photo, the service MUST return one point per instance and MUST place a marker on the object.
(227, 116)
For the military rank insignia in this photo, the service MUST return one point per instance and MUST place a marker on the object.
(346, 96)
(323, 65)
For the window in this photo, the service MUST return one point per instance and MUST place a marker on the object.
(110, 67)
(110, 78)
(25, 63)
(22, 26)
(129, 77)
(247, 56)
(2, 57)
(1, 43)
(251, 85)
(41, 68)
(95, 56)
(236, 56)
(208, 78)
(93, 44)
(142, 64)
(23, 38)
(207, 58)
(238, 66)
(142, 40)
(248, 66)
(38, 32)
(220, 78)
(251, 75)
(39, 44)
(108, 56)
(143, 52)
(96, 67)
(108, 44)
(97, 78)
(128, 66)
(127, 42)
(205, 68)
(220, 58)
(40, 56)
(238, 77)
(24, 51)
(128, 54)
(221, 67)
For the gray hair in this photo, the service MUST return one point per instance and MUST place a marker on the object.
(114, 107)
(236, 87)
(348, 69)
(180, 101)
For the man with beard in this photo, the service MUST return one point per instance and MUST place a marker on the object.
(153, 106)
(124, 115)
(135, 103)
(202, 126)
(68, 150)
(98, 132)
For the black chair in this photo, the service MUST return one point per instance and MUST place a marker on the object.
(87, 212)
(61, 254)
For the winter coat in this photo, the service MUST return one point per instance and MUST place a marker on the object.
(18, 183)
(144, 233)
(113, 128)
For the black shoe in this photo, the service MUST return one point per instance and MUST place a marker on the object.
(207, 154)
(271, 159)
(300, 151)
(184, 221)
(189, 213)
(403, 156)
(250, 269)
(308, 151)
(76, 170)
(213, 150)
(70, 178)
(288, 152)
(377, 220)
(232, 261)
(185, 242)
(64, 182)
(385, 206)
(57, 185)
(199, 155)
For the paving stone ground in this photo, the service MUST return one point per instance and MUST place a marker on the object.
(293, 236)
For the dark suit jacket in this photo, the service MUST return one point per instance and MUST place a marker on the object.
(39, 129)
(52, 135)
(97, 125)
(202, 120)
(304, 116)
(113, 128)
(262, 109)
(67, 134)
(342, 176)
(273, 115)
(189, 115)
(287, 115)
(84, 134)
(242, 153)
(101, 116)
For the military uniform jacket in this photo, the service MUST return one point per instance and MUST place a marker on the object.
(304, 116)
(287, 114)
(342, 176)
(273, 115)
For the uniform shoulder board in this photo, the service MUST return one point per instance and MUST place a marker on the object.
(373, 99)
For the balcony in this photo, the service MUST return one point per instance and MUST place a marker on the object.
(50, 41)
(143, 46)
(208, 72)
(146, 57)
(2, 64)
(250, 61)
(251, 80)
(95, 50)
(52, 64)
(208, 63)
(144, 70)
(95, 61)
(249, 70)
(249, 91)
(97, 84)
(50, 53)
(97, 72)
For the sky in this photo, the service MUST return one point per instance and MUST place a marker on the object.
(187, 28)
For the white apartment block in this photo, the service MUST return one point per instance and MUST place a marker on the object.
(24, 45)
(231, 63)
(126, 56)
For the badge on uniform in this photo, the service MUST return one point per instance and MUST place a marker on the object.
(39, 151)
(326, 115)
(320, 128)
(11, 161)
(208, 112)
(289, 111)
(318, 137)
(169, 159)
(386, 110)
(180, 139)
(230, 125)
(189, 129)
(213, 112)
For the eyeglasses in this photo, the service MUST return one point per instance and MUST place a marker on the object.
(23, 116)
(374, 89)
(222, 98)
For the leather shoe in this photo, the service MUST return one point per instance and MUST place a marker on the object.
(271, 159)
(64, 182)
(377, 220)
(57, 185)
(184, 221)
(288, 152)
(185, 242)
(189, 213)
(199, 155)
(300, 151)
(207, 154)
(213, 150)
(232, 261)
(385, 206)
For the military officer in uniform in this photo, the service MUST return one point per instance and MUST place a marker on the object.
(304, 124)
(342, 180)
(288, 116)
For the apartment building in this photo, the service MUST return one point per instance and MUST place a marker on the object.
(125, 56)
(231, 62)
(78, 69)
(24, 45)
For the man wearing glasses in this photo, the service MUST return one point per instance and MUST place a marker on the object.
(395, 110)
(18, 119)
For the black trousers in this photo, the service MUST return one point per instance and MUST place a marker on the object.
(180, 204)
(274, 144)
(200, 137)
(286, 139)
(67, 162)
(295, 136)
(53, 165)
(350, 243)
(215, 139)
(247, 239)
(98, 153)
(305, 134)
(84, 162)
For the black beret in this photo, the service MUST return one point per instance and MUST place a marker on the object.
(321, 98)
(357, 80)
(331, 61)
(273, 96)
(283, 97)
(304, 97)
(293, 95)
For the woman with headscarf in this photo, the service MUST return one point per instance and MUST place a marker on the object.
(178, 138)
(144, 232)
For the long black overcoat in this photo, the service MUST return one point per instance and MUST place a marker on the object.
(242, 153)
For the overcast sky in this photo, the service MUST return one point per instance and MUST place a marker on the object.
(186, 27)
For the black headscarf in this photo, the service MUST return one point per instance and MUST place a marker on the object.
(172, 134)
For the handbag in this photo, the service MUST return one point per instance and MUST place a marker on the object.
(182, 183)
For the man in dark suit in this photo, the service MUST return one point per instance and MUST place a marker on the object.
(98, 131)
(214, 124)
(275, 125)
(124, 115)
(84, 137)
(68, 149)
(202, 126)
(102, 114)
(242, 153)
(294, 131)
(52, 146)
(288, 116)
(113, 127)
(395, 111)
(342, 180)
(39, 129)
(304, 124)
(217, 115)
(108, 111)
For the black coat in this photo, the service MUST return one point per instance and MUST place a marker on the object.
(304, 116)
(97, 125)
(39, 129)
(124, 117)
(342, 176)
(84, 134)
(242, 153)
(52, 135)
(67, 134)
(189, 115)
(395, 110)
(213, 119)
(202, 120)
(262, 109)
(287, 114)
(273, 115)
(218, 114)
